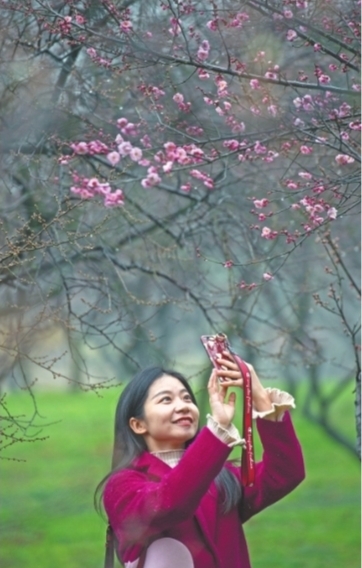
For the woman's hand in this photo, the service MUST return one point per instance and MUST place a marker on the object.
(230, 376)
(222, 410)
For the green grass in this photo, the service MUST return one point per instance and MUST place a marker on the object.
(47, 518)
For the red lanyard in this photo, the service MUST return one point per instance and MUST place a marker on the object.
(247, 461)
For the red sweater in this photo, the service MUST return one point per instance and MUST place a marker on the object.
(178, 509)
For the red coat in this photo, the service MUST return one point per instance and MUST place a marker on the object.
(178, 509)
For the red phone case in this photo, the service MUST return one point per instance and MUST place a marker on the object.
(215, 345)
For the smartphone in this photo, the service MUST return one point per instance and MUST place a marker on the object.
(215, 345)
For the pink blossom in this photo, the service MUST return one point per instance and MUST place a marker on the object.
(267, 276)
(324, 78)
(208, 101)
(260, 203)
(332, 213)
(178, 98)
(146, 141)
(231, 144)
(212, 25)
(305, 175)
(317, 47)
(254, 84)
(79, 19)
(125, 26)
(80, 148)
(273, 110)
(121, 122)
(295, 206)
(298, 122)
(306, 150)
(291, 35)
(186, 187)
(261, 217)
(259, 148)
(356, 125)
(292, 185)
(135, 154)
(167, 167)
(268, 234)
(91, 52)
(343, 159)
(288, 14)
(152, 179)
(228, 264)
(124, 148)
(113, 158)
(115, 199)
(227, 105)
(203, 74)
(203, 51)
(271, 75)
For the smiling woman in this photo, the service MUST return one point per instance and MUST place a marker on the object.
(172, 496)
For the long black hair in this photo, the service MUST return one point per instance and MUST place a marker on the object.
(128, 445)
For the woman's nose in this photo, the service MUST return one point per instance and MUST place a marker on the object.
(181, 406)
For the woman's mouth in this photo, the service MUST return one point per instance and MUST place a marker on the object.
(184, 421)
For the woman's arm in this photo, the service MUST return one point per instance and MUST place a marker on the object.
(138, 507)
(280, 471)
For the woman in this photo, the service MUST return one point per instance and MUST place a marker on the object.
(172, 498)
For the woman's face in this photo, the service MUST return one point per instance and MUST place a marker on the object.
(170, 416)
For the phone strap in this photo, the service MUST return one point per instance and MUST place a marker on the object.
(247, 460)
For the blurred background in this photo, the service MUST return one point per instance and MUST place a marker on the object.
(171, 169)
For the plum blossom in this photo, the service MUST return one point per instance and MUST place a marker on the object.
(151, 180)
(356, 125)
(167, 167)
(212, 25)
(288, 14)
(332, 213)
(231, 144)
(259, 148)
(113, 158)
(115, 199)
(343, 159)
(80, 148)
(135, 154)
(121, 122)
(267, 276)
(228, 264)
(203, 74)
(306, 150)
(254, 84)
(267, 233)
(203, 51)
(260, 203)
(178, 98)
(291, 35)
(273, 110)
(124, 148)
(305, 175)
(125, 26)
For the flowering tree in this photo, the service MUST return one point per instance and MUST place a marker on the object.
(192, 162)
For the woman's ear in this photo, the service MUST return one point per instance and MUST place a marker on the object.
(137, 425)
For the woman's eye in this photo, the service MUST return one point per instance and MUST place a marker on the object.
(188, 398)
(165, 399)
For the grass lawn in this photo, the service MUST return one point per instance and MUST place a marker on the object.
(47, 518)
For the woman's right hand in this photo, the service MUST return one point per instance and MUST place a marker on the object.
(222, 407)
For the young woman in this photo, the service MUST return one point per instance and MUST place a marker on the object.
(172, 498)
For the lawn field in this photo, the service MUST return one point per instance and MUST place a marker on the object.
(47, 518)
